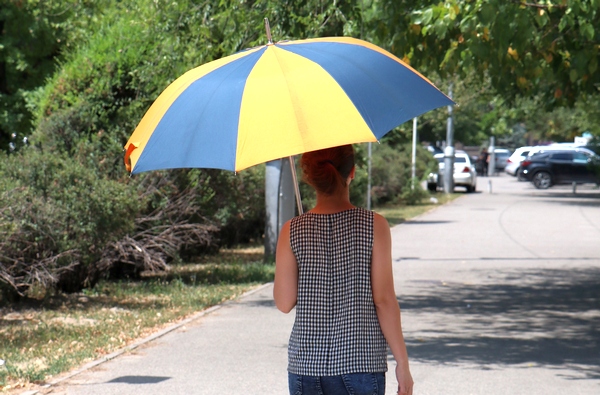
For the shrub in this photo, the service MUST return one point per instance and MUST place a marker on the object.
(391, 171)
(413, 193)
(56, 216)
(169, 226)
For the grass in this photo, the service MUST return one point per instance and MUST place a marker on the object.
(42, 338)
(398, 214)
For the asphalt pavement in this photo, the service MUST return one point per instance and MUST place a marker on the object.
(499, 290)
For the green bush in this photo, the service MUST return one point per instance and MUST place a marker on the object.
(56, 216)
(238, 204)
(413, 193)
(234, 202)
(391, 172)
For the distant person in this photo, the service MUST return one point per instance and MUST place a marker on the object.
(334, 264)
(484, 159)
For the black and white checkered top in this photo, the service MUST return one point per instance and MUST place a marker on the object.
(336, 329)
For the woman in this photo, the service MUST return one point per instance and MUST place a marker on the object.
(334, 265)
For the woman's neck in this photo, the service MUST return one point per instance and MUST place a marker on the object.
(331, 204)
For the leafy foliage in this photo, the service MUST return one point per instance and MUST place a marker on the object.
(33, 35)
(56, 216)
(391, 173)
(413, 193)
(526, 48)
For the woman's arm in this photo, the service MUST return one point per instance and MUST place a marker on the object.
(386, 304)
(285, 290)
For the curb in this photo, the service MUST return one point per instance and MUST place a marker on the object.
(436, 207)
(145, 340)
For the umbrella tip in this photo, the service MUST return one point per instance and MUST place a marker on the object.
(268, 29)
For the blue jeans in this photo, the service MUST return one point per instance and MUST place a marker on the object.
(345, 384)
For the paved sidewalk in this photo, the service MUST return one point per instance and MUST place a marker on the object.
(499, 293)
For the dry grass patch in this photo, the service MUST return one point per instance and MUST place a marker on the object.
(46, 337)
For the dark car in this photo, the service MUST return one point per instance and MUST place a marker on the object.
(547, 168)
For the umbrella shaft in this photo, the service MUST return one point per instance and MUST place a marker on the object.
(296, 186)
(268, 29)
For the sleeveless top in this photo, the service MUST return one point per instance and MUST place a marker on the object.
(336, 330)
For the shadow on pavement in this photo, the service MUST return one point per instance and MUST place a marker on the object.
(584, 195)
(548, 318)
(258, 303)
(139, 379)
(575, 202)
(495, 258)
(417, 222)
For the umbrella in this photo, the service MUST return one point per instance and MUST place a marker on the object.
(276, 101)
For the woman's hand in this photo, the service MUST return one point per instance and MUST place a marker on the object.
(405, 381)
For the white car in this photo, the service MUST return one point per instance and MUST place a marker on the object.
(514, 162)
(464, 174)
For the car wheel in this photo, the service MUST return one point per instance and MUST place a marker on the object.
(542, 180)
(470, 188)
(432, 187)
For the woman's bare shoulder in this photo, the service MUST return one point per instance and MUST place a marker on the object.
(379, 220)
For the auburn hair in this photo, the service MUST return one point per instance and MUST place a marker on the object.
(328, 169)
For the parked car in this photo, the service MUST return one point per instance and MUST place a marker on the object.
(501, 156)
(550, 147)
(513, 164)
(464, 174)
(550, 167)
(434, 149)
(553, 147)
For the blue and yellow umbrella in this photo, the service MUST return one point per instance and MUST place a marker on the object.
(279, 100)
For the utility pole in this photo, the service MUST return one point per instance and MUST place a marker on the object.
(369, 176)
(414, 155)
(449, 150)
(279, 202)
(369, 145)
(492, 157)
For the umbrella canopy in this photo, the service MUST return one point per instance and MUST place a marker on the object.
(276, 101)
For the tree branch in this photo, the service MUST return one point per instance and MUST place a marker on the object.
(535, 5)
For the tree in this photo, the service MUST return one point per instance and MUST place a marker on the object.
(33, 34)
(547, 48)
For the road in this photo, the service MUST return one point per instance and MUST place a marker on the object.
(499, 290)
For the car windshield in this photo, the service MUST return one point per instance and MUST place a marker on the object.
(581, 157)
(457, 159)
